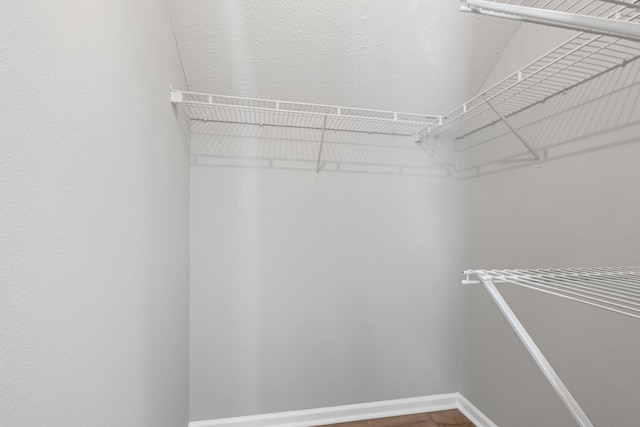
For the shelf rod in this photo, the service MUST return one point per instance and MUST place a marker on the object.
(324, 126)
(515, 132)
(542, 362)
(553, 24)
(555, 18)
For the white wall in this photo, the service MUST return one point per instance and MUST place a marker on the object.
(416, 56)
(311, 292)
(581, 208)
(93, 217)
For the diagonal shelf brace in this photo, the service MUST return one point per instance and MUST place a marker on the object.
(542, 362)
(514, 130)
(324, 127)
(451, 167)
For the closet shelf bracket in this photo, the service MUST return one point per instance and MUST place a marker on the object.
(175, 96)
(515, 131)
(542, 362)
(324, 128)
(616, 289)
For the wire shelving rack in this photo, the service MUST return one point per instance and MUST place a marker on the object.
(616, 289)
(263, 112)
(580, 59)
(621, 10)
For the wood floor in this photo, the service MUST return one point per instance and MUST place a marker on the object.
(451, 418)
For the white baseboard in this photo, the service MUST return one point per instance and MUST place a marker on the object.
(473, 413)
(362, 411)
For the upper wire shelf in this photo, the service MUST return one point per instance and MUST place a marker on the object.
(615, 289)
(582, 58)
(610, 9)
(578, 60)
(229, 109)
(606, 17)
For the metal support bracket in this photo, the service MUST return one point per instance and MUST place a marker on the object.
(514, 130)
(324, 127)
(542, 362)
(175, 96)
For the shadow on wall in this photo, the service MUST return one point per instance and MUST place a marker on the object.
(254, 146)
(184, 125)
(601, 113)
(598, 114)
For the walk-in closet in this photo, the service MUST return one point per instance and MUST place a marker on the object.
(242, 213)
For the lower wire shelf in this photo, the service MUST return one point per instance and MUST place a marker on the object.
(616, 289)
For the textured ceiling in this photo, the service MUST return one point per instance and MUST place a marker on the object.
(420, 56)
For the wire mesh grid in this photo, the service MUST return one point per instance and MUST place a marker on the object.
(612, 9)
(615, 289)
(580, 59)
(563, 126)
(227, 109)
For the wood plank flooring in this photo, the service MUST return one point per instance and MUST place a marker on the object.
(451, 418)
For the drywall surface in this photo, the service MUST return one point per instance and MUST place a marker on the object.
(580, 208)
(416, 56)
(93, 217)
(319, 291)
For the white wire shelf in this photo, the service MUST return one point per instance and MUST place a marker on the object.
(263, 112)
(621, 10)
(606, 17)
(578, 60)
(616, 289)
